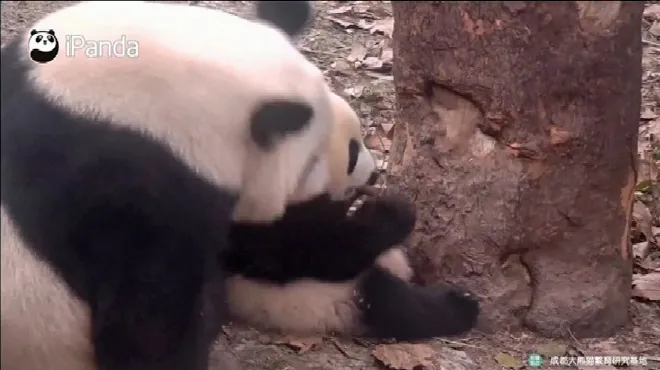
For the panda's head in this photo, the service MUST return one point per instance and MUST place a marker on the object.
(346, 164)
(351, 163)
(43, 46)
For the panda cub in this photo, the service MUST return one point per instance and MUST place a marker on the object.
(318, 271)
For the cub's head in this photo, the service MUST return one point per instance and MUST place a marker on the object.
(346, 164)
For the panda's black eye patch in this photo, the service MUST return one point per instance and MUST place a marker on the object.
(51, 39)
(39, 38)
(353, 152)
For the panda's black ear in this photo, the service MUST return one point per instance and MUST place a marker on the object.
(33, 32)
(51, 32)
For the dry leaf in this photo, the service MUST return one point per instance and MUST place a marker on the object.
(651, 262)
(358, 52)
(355, 91)
(655, 29)
(340, 22)
(372, 63)
(647, 286)
(608, 346)
(387, 55)
(644, 220)
(300, 344)
(371, 96)
(404, 356)
(640, 250)
(363, 9)
(379, 76)
(652, 12)
(365, 24)
(384, 26)
(377, 142)
(648, 114)
(342, 67)
(551, 349)
(341, 9)
(507, 361)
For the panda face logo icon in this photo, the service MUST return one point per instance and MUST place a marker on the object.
(43, 46)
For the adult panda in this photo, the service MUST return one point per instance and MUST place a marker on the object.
(318, 271)
(120, 176)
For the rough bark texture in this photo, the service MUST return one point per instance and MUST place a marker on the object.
(516, 137)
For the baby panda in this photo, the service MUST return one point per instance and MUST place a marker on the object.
(318, 271)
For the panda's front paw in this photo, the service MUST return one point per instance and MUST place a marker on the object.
(391, 219)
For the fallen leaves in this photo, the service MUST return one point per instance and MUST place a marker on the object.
(376, 59)
(648, 114)
(647, 286)
(550, 350)
(643, 220)
(404, 356)
(507, 361)
(358, 53)
(655, 29)
(383, 26)
(299, 344)
(380, 138)
(652, 12)
(368, 17)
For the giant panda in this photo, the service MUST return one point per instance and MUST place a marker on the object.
(316, 271)
(121, 176)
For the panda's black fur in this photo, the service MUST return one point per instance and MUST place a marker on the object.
(124, 224)
(318, 271)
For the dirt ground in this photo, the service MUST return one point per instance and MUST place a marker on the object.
(351, 42)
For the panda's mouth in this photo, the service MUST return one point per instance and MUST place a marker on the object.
(358, 194)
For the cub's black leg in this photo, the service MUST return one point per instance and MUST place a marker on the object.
(316, 239)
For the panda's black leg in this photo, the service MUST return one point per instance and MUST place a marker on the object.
(153, 316)
(147, 234)
(395, 309)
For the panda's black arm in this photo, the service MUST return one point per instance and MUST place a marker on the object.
(319, 241)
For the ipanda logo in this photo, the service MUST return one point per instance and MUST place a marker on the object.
(120, 48)
(43, 46)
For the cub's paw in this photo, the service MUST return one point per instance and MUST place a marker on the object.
(391, 219)
(458, 307)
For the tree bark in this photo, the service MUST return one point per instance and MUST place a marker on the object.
(517, 139)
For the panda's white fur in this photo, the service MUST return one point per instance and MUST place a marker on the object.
(199, 77)
(307, 306)
(41, 319)
(300, 280)
(190, 52)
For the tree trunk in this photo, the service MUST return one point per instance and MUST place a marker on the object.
(517, 139)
